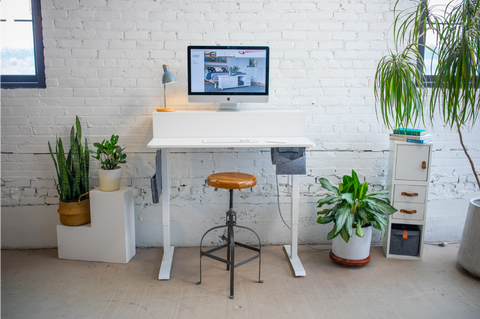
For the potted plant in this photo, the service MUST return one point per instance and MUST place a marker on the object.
(400, 80)
(234, 70)
(110, 155)
(353, 213)
(72, 177)
(401, 84)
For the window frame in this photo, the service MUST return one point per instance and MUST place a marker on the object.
(37, 80)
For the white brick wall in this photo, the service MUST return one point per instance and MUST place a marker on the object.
(103, 62)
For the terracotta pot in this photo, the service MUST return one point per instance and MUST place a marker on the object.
(109, 179)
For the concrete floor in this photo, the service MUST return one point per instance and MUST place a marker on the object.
(36, 284)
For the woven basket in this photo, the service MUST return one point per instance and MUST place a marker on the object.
(75, 212)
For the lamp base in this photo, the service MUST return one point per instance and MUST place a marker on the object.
(165, 109)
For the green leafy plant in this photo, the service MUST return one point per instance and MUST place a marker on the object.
(234, 69)
(72, 170)
(109, 153)
(352, 207)
(400, 82)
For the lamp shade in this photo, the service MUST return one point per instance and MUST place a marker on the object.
(168, 76)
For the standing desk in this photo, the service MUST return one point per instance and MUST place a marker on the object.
(188, 129)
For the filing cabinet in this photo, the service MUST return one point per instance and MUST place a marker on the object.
(408, 181)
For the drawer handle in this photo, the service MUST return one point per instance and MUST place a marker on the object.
(408, 211)
(424, 165)
(409, 194)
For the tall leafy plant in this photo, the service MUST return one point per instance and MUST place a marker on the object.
(350, 207)
(401, 84)
(72, 168)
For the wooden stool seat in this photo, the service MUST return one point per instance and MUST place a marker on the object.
(231, 180)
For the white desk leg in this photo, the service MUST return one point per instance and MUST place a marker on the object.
(292, 250)
(166, 266)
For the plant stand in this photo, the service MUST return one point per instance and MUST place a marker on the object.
(347, 262)
(110, 237)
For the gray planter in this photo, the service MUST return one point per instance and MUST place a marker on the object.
(469, 252)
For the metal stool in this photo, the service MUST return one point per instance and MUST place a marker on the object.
(231, 181)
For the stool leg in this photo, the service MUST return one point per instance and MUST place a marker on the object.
(201, 252)
(232, 259)
(259, 253)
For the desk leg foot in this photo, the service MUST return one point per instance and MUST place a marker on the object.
(296, 263)
(166, 266)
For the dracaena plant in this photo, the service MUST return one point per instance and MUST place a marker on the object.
(401, 84)
(72, 170)
(109, 153)
(351, 208)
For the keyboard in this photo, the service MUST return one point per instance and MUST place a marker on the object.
(230, 140)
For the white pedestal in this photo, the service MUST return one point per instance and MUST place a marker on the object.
(110, 237)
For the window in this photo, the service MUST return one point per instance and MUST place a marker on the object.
(429, 39)
(21, 48)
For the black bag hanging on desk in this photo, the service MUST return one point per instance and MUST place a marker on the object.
(289, 160)
(156, 180)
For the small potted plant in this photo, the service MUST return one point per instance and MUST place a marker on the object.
(234, 70)
(353, 213)
(72, 178)
(110, 155)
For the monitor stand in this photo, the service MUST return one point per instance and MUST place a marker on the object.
(228, 107)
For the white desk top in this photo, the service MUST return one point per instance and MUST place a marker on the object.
(285, 128)
(198, 143)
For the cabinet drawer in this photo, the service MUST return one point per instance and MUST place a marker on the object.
(410, 194)
(419, 210)
(412, 162)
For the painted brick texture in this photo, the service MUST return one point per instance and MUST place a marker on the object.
(104, 63)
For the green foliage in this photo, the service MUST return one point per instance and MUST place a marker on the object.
(352, 207)
(109, 153)
(400, 81)
(72, 171)
(234, 69)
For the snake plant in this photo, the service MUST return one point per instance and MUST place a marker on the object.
(352, 207)
(72, 169)
(401, 85)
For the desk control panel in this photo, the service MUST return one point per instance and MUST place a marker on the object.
(230, 140)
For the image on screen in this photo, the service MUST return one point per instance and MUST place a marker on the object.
(228, 71)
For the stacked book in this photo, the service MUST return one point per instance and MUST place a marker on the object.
(411, 135)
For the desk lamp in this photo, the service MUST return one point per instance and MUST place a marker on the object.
(167, 78)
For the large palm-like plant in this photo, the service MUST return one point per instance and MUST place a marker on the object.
(400, 81)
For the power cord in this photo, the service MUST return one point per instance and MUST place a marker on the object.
(281, 216)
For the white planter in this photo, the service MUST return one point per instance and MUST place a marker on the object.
(110, 179)
(469, 252)
(357, 248)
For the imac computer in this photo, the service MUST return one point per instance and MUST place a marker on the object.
(228, 75)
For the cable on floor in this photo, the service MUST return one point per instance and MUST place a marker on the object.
(281, 216)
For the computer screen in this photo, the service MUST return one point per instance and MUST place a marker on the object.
(228, 75)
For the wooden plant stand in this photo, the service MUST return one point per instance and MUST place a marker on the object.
(347, 262)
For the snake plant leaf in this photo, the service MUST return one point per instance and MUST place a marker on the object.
(79, 128)
(326, 184)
